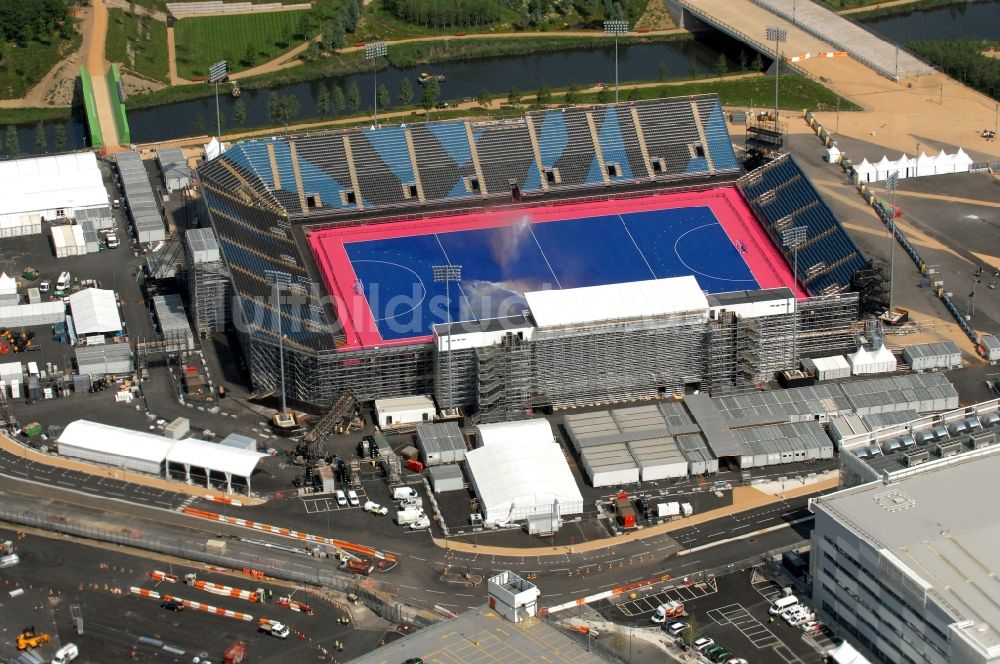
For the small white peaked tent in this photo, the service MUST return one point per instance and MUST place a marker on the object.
(883, 168)
(883, 360)
(213, 149)
(925, 165)
(833, 154)
(905, 166)
(865, 171)
(944, 163)
(860, 361)
(962, 161)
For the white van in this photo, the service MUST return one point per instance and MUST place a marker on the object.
(783, 603)
(65, 279)
(66, 654)
(403, 492)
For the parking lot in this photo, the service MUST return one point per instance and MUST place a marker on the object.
(732, 610)
(63, 579)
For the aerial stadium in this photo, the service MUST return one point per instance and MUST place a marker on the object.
(564, 258)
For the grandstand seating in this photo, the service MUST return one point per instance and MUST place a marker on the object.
(444, 159)
(719, 144)
(783, 197)
(620, 143)
(671, 134)
(567, 147)
(505, 154)
(382, 160)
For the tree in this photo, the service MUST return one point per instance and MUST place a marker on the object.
(484, 98)
(239, 112)
(721, 66)
(41, 140)
(339, 103)
(383, 97)
(743, 60)
(250, 57)
(514, 97)
(604, 95)
(323, 101)
(333, 34)
(60, 136)
(758, 63)
(353, 96)
(544, 95)
(312, 51)
(305, 25)
(572, 95)
(634, 94)
(432, 90)
(13, 145)
(405, 92)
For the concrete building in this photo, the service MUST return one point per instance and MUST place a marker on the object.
(906, 566)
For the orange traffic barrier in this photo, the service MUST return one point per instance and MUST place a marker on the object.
(152, 594)
(207, 608)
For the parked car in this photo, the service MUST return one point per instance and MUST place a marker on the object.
(422, 523)
(720, 655)
(112, 241)
(702, 643)
(352, 498)
(736, 660)
(676, 628)
(172, 605)
(811, 626)
(375, 508)
(341, 498)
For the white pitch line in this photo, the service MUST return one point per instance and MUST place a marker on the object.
(636, 244)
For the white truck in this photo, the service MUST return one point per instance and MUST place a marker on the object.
(274, 628)
(406, 517)
(66, 654)
(672, 509)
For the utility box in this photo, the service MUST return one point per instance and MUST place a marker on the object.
(512, 597)
(177, 429)
(216, 547)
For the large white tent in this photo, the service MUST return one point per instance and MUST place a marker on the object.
(528, 431)
(95, 311)
(518, 479)
(152, 454)
(50, 187)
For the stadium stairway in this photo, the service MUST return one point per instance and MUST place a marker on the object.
(413, 161)
(272, 160)
(642, 141)
(536, 150)
(297, 173)
(475, 159)
(354, 173)
(597, 147)
(696, 114)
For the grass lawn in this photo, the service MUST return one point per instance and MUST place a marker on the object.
(382, 24)
(23, 66)
(246, 40)
(161, 5)
(139, 43)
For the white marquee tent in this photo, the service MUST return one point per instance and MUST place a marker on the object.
(50, 187)
(95, 311)
(909, 167)
(518, 479)
(865, 171)
(535, 431)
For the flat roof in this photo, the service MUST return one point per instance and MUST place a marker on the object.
(115, 441)
(483, 635)
(45, 183)
(932, 523)
(214, 456)
(747, 296)
(625, 301)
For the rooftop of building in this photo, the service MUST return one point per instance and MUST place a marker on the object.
(931, 523)
(483, 635)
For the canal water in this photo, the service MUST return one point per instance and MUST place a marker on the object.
(581, 67)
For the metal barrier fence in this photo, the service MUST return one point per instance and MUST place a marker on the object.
(379, 602)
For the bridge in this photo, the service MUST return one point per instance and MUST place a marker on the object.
(812, 29)
(103, 95)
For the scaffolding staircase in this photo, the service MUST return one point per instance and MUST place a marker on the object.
(817, 273)
(298, 176)
(642, 142)
(474, 151)
(412, 151)
(273, 161)
(536, 150)
(335, 420)
(701, 136)
(355, 185)
(597, 147)
(503, 380)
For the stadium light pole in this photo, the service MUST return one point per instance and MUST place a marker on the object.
(791, 238)
(218, 72)
(777, 35)
(281, 279)
(616, 29)
(447, 274)
(373, 51)
(890, 187)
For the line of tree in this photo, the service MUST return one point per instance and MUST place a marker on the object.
(585, 13)
(446, 13)
(338, 22)
(963, 60)
(22, 22)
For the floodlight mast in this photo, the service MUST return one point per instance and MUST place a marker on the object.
(373, 51)
(616, 29)
(778, 35)
(791, 238)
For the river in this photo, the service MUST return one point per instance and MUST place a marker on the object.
(583, 67)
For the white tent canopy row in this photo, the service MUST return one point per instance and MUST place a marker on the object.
(517, 478)
(864, 361)
(913, 167)
(50, 186)
(157, 455)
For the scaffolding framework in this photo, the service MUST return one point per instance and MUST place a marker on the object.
(208, 283)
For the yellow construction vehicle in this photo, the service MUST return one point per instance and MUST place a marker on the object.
(29, 639)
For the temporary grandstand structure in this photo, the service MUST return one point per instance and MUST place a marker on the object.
(190, 460)
(95, 311)
(517, 480)
(50, 188)
(259, 189)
